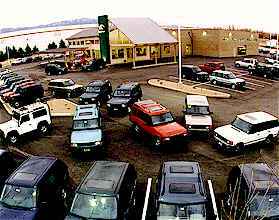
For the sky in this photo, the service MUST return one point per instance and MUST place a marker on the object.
(252, 14)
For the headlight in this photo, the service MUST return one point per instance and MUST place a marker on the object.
(80, 99)
(124, 105)
(73, 145)
(185, 134)
(98, 143)
(190, 126)
(92, 99)
(108, 105)
(207, 127)
(166, 139)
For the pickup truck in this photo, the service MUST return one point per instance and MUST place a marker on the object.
(246, 63)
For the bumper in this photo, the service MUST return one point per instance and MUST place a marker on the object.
(118, 108)
(87, 148)
(223, 145)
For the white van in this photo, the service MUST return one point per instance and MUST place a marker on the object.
(197, 114)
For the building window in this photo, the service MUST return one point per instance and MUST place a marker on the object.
(74, 43)
(82, 42)
(153, 51)
(141, 51)
(129, 53)
(77, 42)
(117, 53)
(167, 49)
(204, 33)
(70, 43)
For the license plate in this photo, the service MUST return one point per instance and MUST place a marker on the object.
(220, 143)
(115, 109)
(86, 103)
(86, 150)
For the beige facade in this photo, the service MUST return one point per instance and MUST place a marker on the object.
(217, 42)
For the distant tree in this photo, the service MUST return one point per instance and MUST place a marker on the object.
(7, 53)
(2, 57)
(13, 53)
(62, 44)
(28, 50)
(35, 49)
(52, 46)
(20, 52)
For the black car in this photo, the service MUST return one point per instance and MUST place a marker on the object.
(97, 92)
(124, 97)
(53, 68)
(37, 189)
(180, 192)
(108, 191)
(252, 192)
(263, 70)
(25, 95)
(10, 81)
(65, 87)
(193, 72)
(95, 64)
(14, 84)
(8, 165)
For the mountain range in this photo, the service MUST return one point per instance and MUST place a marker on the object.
(78, 21)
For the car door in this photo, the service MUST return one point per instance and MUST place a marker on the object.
(25, 124)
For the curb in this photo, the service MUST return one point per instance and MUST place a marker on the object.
(187, 89)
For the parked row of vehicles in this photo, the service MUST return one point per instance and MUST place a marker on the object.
(39, 189)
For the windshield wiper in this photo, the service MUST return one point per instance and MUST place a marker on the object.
(14, 207)
(79, 216)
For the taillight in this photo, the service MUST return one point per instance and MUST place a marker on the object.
(210, 127)
(186, 126)
(231, 143)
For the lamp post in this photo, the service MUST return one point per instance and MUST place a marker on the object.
(277, 48)
(179, 55)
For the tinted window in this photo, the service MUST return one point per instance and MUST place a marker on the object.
(24, 118)
(39, 113)
(162, 119)
(242, 125)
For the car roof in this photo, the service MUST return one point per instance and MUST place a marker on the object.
(97, 83)
(31, 171)
(189, 65)
(59, 80)
(84, 112)
(216, 62)
(103, 177)
(31, 107)
(222, 71)
(260, 176)
(182, 183)
(128, 85)
(151, 107)
(257, 117)
(199, 100)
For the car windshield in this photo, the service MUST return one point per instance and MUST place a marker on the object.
(122, 93)
(197, 110)
(161, 119)
(95, 207)
(172, 211)
(242, 125)
(69, 83)
(93, 89)
(16, 196)
(16, 116)
(230, 76)
(265, 205)
(85, 124)
(196, 69)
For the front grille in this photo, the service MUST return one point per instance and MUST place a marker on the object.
(221, 138)
(202, 127)
(177, 138)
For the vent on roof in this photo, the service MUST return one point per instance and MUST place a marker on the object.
(86, 107)
(182, 188)
(155, 108)
(100, 184)
(251, 117)
(181, 169)
(25, 176)
(146, 102)
(85, 113)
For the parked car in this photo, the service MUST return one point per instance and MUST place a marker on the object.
(197, 114)
(95, 64)
(226, 78)
(35, 190)
(5, 77)
(124, 97)
(25, 95)
(181, 192)
(10, 81)
(65, 87)
(246, 63)
(211, 66)
(30, 118)
(17, 61)
(98, 92)
(27, 60)
(107, 191)
(156, 122)
(14, 84)
(247, 129)
(193, 72)
(8, 165)
(87, 133)
(53, 68)
(255, 186)
(263, 70)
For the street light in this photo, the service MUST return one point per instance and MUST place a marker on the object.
(179, 55)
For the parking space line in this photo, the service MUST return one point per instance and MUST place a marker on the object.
(254, 84)
(268, 83)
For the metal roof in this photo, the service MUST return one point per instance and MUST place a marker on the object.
(142, 30)
(91, 32)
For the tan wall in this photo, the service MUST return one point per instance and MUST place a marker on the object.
(117, 37)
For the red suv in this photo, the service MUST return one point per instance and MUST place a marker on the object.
(156, 121)
(211, 66)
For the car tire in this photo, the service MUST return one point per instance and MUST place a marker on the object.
(233, 86)
(156, 142)
(48, 73)
(17, 104)
(239, 148)
(60, 73)
(237, 65)
(53, 93)
(269, 141)
(98, 103)
(43, 128)
(129, 109)
(37, 100)
(214, 82)
(136, 129)
(13, 138)
(68, 94)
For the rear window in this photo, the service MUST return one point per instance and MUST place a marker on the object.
(39, 113)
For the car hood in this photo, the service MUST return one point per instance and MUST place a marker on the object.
(89, 95)
(118, 100)
(5, 91)
(5, 126)
(198, 119)
(86, 136)
(231, 133)
(237, 80)
(202, 73)
(7, 94)
(170, 129)
(15, 214)
(74, 87)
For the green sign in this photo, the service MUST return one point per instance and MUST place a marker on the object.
(103, 31)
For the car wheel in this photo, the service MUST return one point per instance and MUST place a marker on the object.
(37, 100)
(269, 141)
(239, 148)
(16, 104)
(69, 94)
(53, 93)
(13, 138)
(43, 128)
(214, 82)
(156, 142)
(60, 73)
(129, 109)
(136, 129)
(233, 86)
(48, 73)
(98, 103)
(265, 75)
(108, 97)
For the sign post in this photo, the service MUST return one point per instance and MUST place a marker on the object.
(103, 31)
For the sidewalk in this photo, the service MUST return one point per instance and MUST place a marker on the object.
(194, 90)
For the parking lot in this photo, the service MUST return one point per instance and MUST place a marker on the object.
(259, 94)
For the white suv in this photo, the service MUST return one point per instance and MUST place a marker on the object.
(34, 117)
(247, 129)
(226, 78)
(246, 63)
